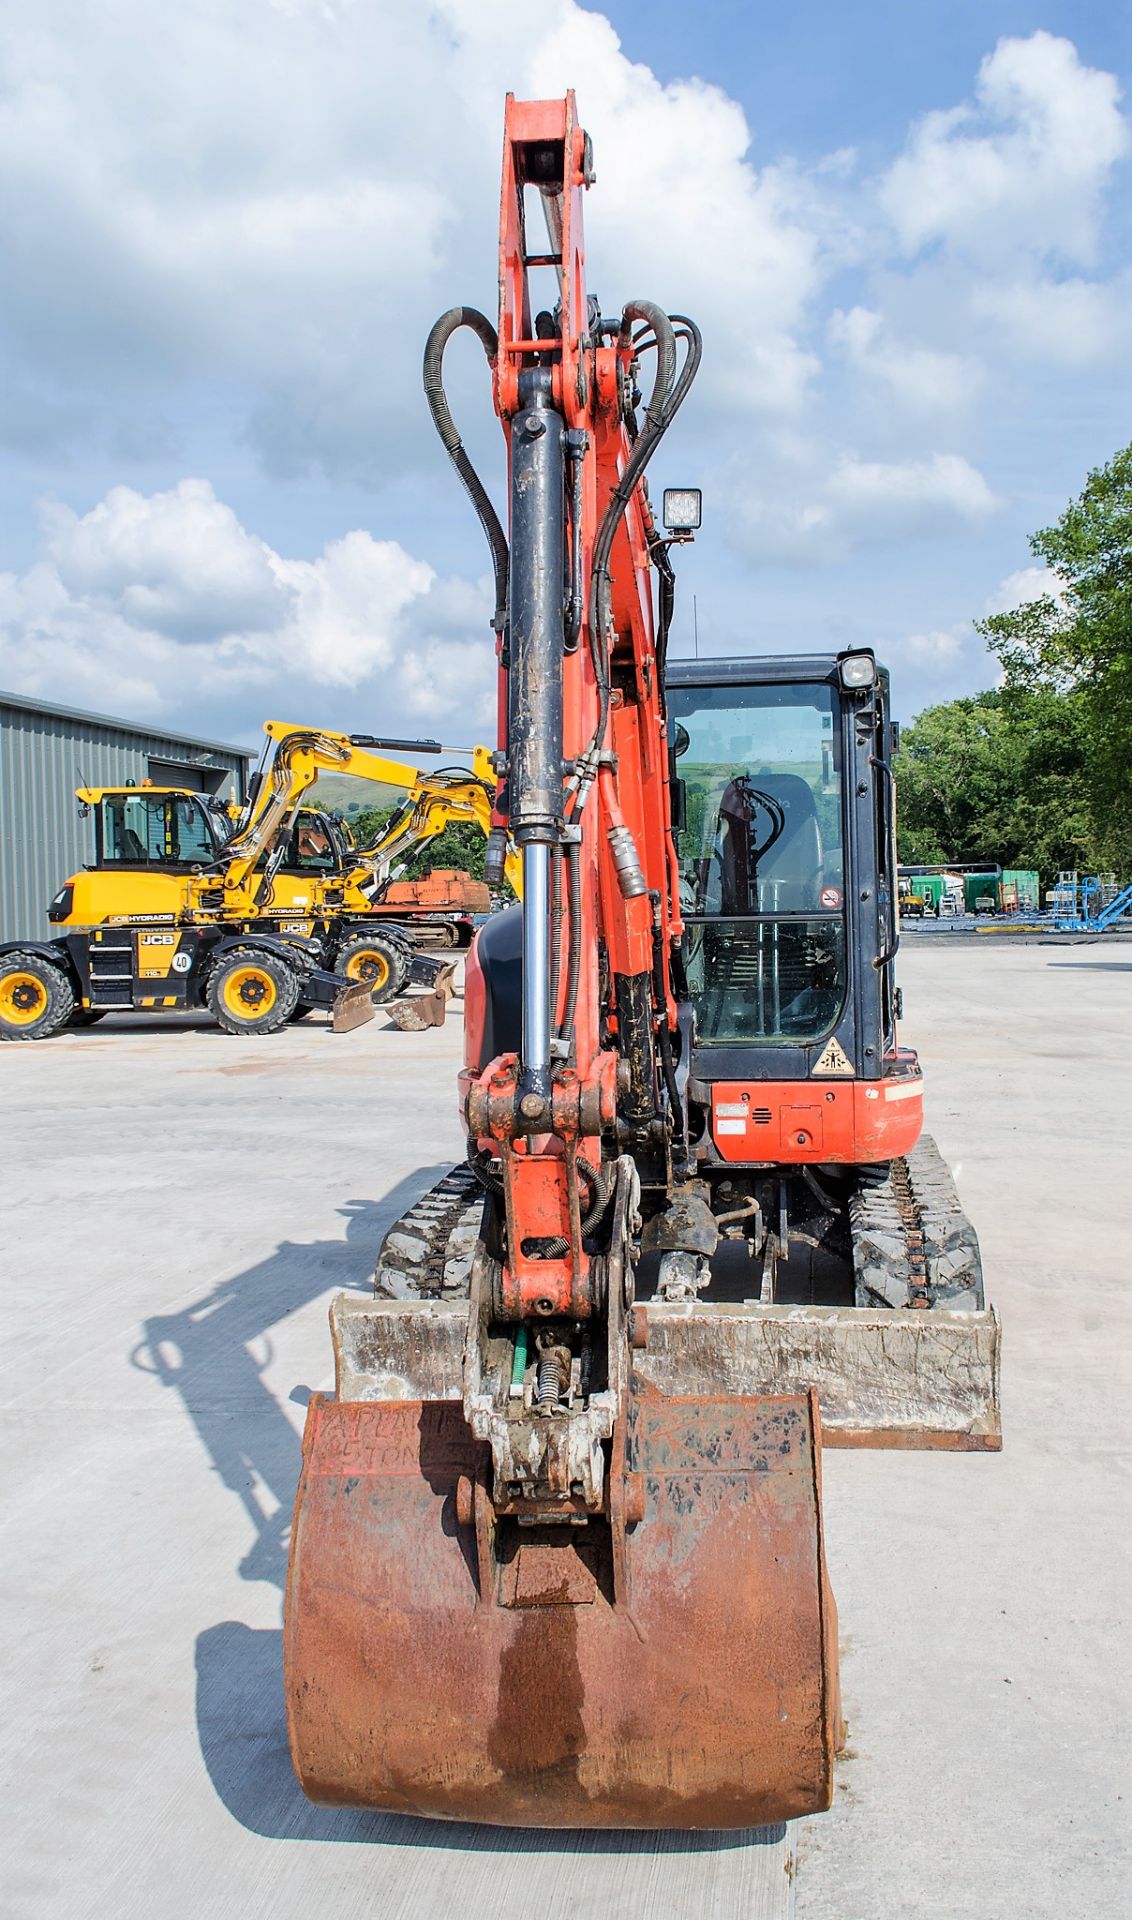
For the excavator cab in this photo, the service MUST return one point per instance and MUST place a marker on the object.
(786, 901)
(315, 844)
(147, 827)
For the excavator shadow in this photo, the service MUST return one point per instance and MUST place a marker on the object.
(1093, 966)
(214, 1354)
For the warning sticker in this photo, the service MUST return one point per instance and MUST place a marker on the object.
(833, 1059)
(830, 897)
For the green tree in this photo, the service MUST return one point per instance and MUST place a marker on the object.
(1077, 641)
(998, 776)
(367, 822)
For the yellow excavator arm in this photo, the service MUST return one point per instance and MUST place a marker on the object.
(439, 801)
(302, 753)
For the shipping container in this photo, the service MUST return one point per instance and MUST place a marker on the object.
(1024, 881)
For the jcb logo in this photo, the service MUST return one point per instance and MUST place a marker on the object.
(158, 939)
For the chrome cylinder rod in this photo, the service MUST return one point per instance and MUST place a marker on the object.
(536, 961)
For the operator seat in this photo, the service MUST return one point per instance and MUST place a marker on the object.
(790, 872)
(793, 868)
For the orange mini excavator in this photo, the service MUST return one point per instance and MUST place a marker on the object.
(557, 1556)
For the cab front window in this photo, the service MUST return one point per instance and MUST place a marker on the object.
(761, 852)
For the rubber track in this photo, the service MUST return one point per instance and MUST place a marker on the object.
(427, 1253)
(913, 1245)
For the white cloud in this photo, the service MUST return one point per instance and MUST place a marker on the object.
(922, 379)
(936, 651)
(233, 225)
(1071, 323)
(177, 562)
(825, 503)
(1022, 171)
(740, 248)
(144, 599)
(283, 200)
(910, 492)
(1028, 583)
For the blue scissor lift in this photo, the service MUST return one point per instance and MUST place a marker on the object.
(1089, 904)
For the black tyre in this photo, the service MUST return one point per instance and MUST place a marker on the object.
(36, 998)
(382, 957)
(250, 991)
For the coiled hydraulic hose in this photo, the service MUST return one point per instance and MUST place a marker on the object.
(668, 393)
(644, 446)
(448, 324)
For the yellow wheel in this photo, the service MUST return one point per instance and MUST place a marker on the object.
(23, 998)
(367, 964)
(252, 992)
(380, 958)
(249, 991)
(36, 998)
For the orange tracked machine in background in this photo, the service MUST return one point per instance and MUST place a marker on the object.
(557, 1556)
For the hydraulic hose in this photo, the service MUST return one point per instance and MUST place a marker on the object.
(448, 324)
(664, 1038)
(557, 911)
(668, 393)
(643, 448)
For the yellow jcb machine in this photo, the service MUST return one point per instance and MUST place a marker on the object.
(182, 908)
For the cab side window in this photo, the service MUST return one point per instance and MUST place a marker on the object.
(150, 829)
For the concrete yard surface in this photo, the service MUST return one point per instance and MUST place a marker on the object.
(179, 1209)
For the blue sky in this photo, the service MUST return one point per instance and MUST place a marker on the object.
(226, 229)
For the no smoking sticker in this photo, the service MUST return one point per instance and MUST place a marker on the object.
(830, 897)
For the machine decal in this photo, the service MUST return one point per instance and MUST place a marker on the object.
(833, 1057)
(182, 962)
(155, 955)
(830, 897)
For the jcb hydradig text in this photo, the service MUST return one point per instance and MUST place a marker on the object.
(557, 1556)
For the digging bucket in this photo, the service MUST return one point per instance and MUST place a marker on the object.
(671, 1662)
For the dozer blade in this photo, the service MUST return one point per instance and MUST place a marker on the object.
(679, 1671)
(353, 1006)
(884, 1376)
